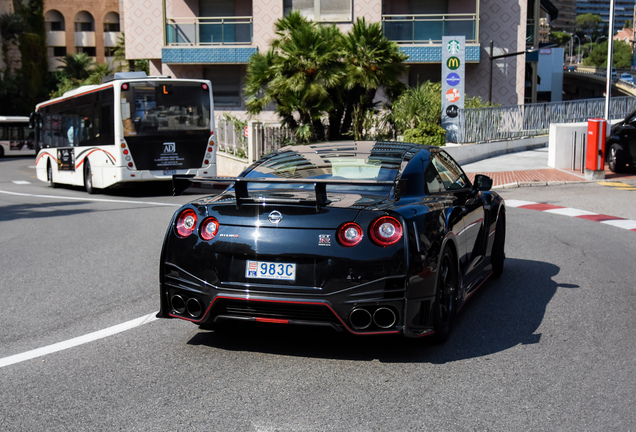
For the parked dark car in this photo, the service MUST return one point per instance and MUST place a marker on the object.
(367, 237)
(620, 147)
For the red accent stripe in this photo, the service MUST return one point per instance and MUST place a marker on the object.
(90, 153)
(45, 154)
(541, 207)
(599, 217)
(272, 320)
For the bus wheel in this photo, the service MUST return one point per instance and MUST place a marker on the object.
(49, 175)
(88, 178)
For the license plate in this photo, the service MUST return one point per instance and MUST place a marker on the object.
(270, 270)
(169, 172)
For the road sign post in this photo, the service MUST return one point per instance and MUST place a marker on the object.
(453, 77)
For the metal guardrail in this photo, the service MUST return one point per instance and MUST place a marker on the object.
(265, 138)
(520, 121)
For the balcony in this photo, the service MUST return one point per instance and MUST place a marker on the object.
(429, 28)
(208, 40)
(208, 31)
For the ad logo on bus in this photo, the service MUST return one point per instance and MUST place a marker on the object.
(169, 147)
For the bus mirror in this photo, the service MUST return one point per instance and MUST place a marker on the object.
(35, 120)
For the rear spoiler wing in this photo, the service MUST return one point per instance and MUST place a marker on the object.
(181, 183)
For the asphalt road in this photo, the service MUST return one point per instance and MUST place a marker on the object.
(549, 346)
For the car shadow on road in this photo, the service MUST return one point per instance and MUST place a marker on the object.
(505, 313)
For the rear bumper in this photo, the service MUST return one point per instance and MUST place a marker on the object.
(374, 308)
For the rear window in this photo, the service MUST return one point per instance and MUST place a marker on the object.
(338, 167)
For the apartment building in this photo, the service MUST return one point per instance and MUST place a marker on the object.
(623, 10)
(76, 26)
(215, 39)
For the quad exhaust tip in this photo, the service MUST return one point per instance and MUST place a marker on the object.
(382, 317)
(191, 306)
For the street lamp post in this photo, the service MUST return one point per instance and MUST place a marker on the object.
(610, 47)
(578, 56)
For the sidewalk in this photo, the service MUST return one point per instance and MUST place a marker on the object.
(530, 168)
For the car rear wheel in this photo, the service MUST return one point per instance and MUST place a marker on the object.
(498, 254)
(616, 158)
(445, 296)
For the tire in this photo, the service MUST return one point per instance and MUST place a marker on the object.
(498, 254)
(445, 296)
(49, 175)
(88, 178)
(616, 158)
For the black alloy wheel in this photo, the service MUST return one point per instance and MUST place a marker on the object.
(445, 296)
(616, 158)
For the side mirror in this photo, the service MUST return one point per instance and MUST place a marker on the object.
(482, 182)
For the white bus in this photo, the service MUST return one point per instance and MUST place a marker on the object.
(16, 139)
(131, 128)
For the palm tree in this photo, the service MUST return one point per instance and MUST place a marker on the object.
(296, 74)
(98, 72)
(77, 66)
(370, 62)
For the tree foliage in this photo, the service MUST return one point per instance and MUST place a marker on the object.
(77, 70)
(588, 23)
(23, 83)
(621, 56)
(417, 114)
(319, 79)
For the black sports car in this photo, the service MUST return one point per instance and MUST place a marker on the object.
(369, 237)
(621, 145)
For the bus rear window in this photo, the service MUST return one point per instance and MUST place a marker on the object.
(150, 108)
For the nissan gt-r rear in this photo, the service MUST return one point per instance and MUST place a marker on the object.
(343, 235)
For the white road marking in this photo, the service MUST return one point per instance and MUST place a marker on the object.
(90, 199)
(21, 182)
(570, 212)
(517, 203)
(621, 223)
(90, 337)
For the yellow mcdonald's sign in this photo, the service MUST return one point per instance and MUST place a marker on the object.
(453, 63)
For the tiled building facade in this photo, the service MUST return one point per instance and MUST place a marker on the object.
(214, 39)
(75, 26)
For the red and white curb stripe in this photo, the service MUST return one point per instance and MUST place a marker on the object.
(627, 224)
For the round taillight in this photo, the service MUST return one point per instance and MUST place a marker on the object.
(386, 231)
(130, 164)
(186, 223)
(204, 86)
(350, 234)
(209, 228)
